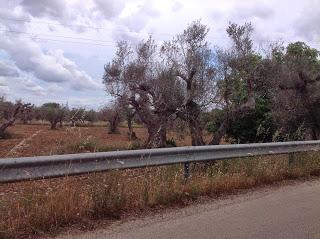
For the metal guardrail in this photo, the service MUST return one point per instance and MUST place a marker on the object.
(31, 168)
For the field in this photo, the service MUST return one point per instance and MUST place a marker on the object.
(36, 140)
(35, 209)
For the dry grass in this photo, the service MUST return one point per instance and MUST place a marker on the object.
(30, 209)
(33, 208)
(66, 140)
(48, 142)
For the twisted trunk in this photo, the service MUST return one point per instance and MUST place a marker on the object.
(5, 125)
(196, 133)
(218, 135)
(157, 136)
(10, 122)
(191, 115)
(191, 111)
(131, 133)
(53, 124)
(113, 124)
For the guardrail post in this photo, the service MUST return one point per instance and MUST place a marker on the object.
(291, 158)
(186, 170)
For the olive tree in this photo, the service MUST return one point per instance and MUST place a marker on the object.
(27, 114)
(9, 113)
(112, 114)
(77, 115)
(54, 113)
(91, 116)
(296, 101)
(191, 59)
(129, 114)
(237, 72)
(139, 77)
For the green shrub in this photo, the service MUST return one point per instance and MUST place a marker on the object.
(171, 143)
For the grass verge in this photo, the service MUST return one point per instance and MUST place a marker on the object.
(31, 209)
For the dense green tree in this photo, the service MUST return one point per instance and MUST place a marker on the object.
(296, 102)
(238, 69)
(54, 113)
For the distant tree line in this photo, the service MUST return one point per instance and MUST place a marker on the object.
(57, 115)
(238, 93)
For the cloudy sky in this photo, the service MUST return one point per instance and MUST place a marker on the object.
(55, 50)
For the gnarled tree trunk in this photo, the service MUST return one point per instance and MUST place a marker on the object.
(13, 118)
(53, 124)
(114, 124)
(5, 125)
(194, 111)
(190, 114)
(196, 133)
(157, 136)
(131, 133)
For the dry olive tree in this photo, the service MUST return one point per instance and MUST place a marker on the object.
(138, 76)
(237, 72)
(129, 114)
(9, 113)
(112, 114)
(77, 116)
(190, 57)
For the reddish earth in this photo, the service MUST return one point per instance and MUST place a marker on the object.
(34, 140)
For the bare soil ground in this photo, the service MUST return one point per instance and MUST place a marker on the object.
(36, 140)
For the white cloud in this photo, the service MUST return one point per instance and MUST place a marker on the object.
(49, 67)
(79, 79)
(177, 6)
(109, 8)
(68, 13)
(46, 8)
(252, 11)
(4, 88)
(7, 69)
(3, 82)
(68, 71)
(30, 86)
(308, 21)
(139, 18)
(54, 88)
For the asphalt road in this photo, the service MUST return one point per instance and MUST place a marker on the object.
(291, 211)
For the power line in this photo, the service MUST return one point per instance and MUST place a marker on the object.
(83, 26)
(58, 36)
(99, 28)
(93, 41)
(88, 41)
(63, 41)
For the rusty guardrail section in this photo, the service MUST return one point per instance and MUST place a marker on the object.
(32, 168)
